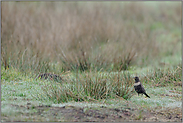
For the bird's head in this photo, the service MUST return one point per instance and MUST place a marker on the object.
(136, 79)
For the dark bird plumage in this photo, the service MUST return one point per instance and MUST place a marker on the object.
(139, 87)
(50, 76)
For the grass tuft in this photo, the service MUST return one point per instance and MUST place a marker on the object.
(88, 87)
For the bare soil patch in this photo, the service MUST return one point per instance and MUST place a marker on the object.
(91, 114)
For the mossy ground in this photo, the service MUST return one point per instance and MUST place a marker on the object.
(19, 102)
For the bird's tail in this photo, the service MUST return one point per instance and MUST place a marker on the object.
(147, 95)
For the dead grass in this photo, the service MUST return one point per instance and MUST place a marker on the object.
(164, 77)
(41, 36)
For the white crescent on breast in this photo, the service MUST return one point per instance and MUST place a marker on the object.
(136, 84)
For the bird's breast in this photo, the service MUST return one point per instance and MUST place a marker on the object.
(137, 84)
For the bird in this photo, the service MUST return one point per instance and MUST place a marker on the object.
(139, 87)
(49, 76)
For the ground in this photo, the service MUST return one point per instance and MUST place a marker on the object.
(20, 102)
(90, 112)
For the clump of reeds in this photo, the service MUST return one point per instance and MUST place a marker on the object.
(89, 87)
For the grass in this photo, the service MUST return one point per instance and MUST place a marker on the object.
(111, 40)
(88, 87)
(97, 48)
(76, 92)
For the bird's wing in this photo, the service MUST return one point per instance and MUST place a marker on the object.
(142, 88)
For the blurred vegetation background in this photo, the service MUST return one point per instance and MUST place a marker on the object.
(104, 36)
